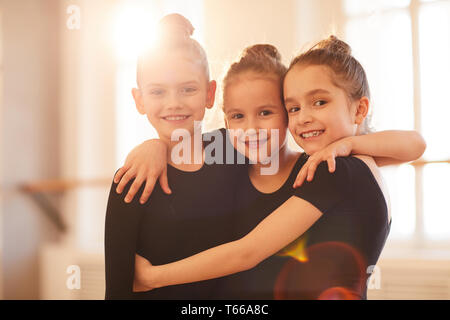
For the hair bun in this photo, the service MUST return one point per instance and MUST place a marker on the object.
(332, 43)
(175, 26)
(262, 49)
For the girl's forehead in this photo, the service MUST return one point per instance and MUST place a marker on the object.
(173, 69)
(310, 72)
(253, 85)
(302, 79)
(256, 77)
(253, 96)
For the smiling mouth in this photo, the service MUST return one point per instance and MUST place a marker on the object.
(311, 134)
(176, 118)
(254, 144)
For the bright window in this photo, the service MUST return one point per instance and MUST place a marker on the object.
(404, 45)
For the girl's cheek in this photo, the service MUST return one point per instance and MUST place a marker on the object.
(291, 127)
(232, 125)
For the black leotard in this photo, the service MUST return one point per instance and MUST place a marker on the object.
(340, 246)
(349, 237)
(197, 216)
(253, 206)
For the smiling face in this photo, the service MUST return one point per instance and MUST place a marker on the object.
(253, 102)
(319, 112)
(173, 93)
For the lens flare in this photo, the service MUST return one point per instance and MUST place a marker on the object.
(338, 293)
(296, 250)
(332, 270)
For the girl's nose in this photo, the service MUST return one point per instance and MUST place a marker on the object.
(251, 124)
(304, 117)
(173, 101)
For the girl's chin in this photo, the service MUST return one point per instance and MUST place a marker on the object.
(311, 147)
(255, 158)
(267, 161)
(309, 150)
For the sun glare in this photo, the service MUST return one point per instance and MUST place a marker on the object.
(134, 31)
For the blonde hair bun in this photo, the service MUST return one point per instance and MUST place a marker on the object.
(175, 26)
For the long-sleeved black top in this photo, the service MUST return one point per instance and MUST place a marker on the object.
(197, 215)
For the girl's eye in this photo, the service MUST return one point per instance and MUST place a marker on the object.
(293, 109)
(156, 92)
(319, 103)
(189, 90)
(265, 113)
(236, 116)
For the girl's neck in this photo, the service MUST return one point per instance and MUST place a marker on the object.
(185, 155)
(271, 183)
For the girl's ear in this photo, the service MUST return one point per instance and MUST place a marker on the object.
(211, 94)
(362, 109)
(137, 95)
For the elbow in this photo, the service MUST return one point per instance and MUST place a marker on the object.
(250, 262)
(248, 257)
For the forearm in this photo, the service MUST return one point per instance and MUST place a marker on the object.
(397, 145)
(216, 262)
(277, 230)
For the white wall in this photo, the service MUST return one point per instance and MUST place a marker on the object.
(87, 105)
(29, 136)
(57, 121)
(317, 19)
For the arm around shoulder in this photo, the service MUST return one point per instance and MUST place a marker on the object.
(390, 147)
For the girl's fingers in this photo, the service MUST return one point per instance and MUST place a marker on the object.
(331, 164)
(133, 189)
(312, 169)
(119, 175)
(302, 175)
(149, 185)
(303, 172)
(130, 174)
(164, 182)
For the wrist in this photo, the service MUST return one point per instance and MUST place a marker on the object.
(158, 142)
(352, 143)
(157, 146)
